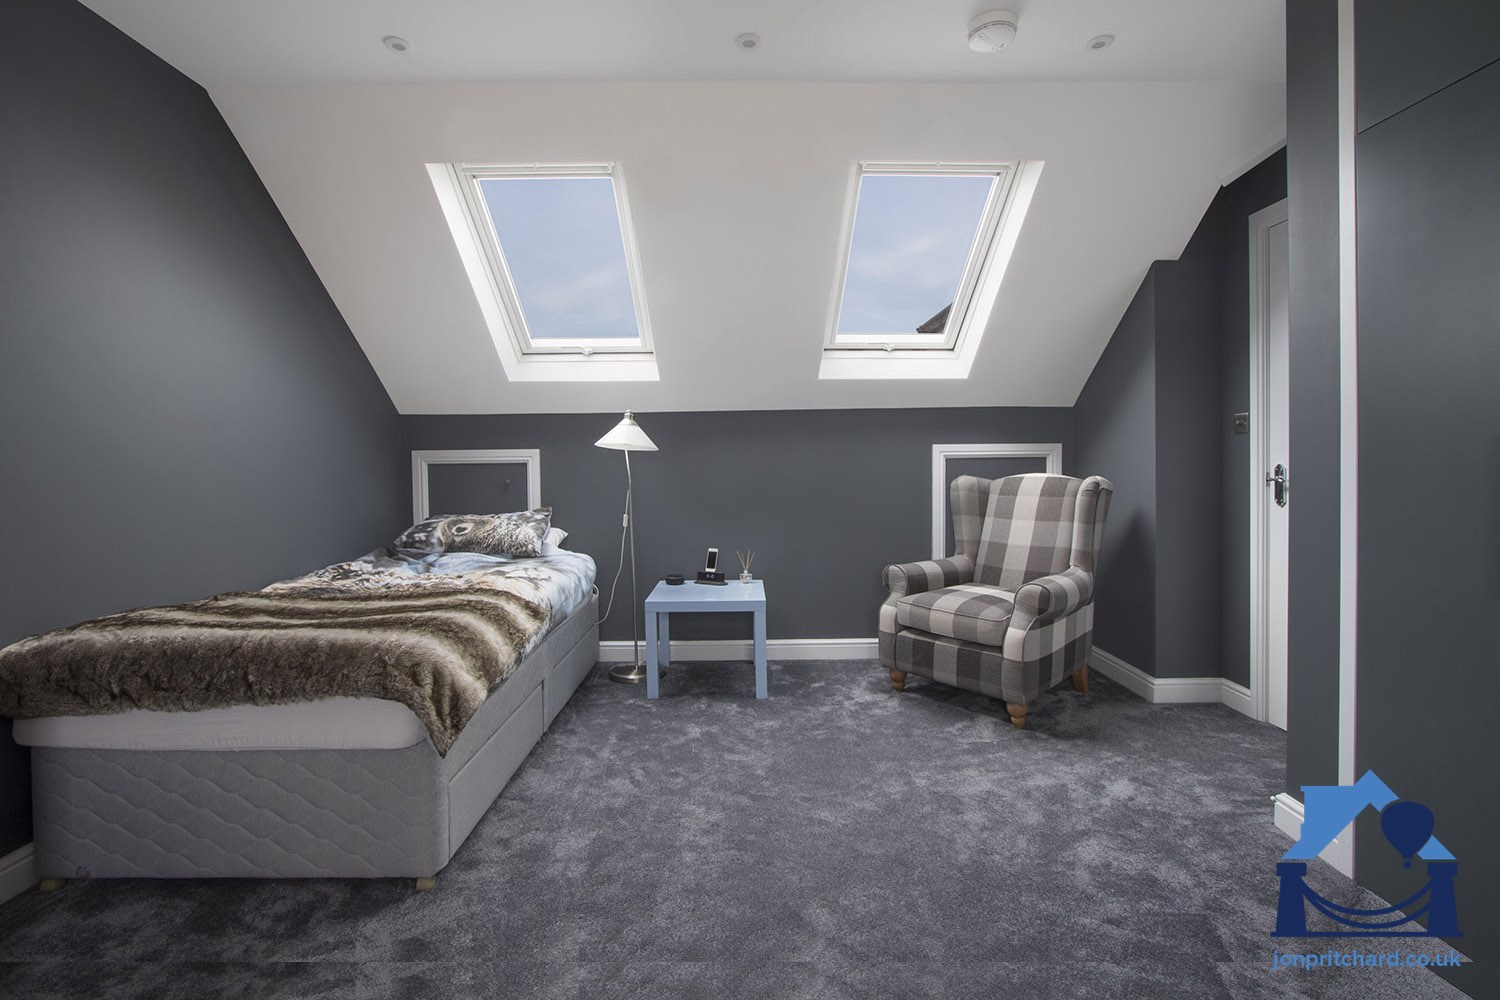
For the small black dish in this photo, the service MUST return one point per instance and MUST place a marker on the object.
(674, 579)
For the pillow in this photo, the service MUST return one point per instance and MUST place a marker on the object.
(516, 534)
(552, 542)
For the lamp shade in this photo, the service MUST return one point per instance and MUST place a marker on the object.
(626, 436)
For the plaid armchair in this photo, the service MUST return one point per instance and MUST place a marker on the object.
(1011, 613)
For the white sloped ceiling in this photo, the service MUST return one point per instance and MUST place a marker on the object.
(737, 185)
(737, 191)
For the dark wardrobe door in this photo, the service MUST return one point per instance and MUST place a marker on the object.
(1429, 486)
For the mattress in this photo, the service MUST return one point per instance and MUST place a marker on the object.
(563, 580)
(344, 813)
(325, 724)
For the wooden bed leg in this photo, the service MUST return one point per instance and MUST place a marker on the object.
(898, 680)
(1081, 680)
(49, 885)
(1017, 715)
(426, 882)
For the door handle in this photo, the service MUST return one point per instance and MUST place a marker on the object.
(1280, 483)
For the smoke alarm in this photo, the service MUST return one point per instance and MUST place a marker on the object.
(992, 31)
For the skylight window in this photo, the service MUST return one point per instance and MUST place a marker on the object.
(551, 255)
(925, 249)
(913, 235)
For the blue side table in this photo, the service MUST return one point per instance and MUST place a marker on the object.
(665, 600)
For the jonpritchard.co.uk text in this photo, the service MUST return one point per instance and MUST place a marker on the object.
(1356, 959)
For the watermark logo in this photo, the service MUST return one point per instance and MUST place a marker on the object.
(1407, 825)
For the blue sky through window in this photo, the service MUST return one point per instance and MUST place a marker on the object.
(912, 236)
(561, 239)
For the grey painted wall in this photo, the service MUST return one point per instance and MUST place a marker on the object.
(1429, 353)
(1313, 304)
(1115, 424)
(825, 497)
(182, 410)
(463, 488)
(1155, 417)
(1188, 479)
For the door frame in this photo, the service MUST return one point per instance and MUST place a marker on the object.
(1260, 659)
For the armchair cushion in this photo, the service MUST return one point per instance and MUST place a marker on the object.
(972, 612)
(929, 574)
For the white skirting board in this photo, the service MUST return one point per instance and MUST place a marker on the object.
(618, 651)
(1287, 813)
(1165, 690)
(1173, 690)
(17, 873)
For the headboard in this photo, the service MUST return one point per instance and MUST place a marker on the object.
(422, 461)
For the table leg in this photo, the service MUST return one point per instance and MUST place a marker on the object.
(664, 630)
(760, 653)
(650, 654)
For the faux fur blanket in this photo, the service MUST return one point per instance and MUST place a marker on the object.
(435, 643)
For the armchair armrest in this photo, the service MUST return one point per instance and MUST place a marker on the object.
(929, 574)
(1048, 598)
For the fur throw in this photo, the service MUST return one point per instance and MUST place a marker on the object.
(435, 643)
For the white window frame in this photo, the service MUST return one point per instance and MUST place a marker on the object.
(951, 354)
(546, 360)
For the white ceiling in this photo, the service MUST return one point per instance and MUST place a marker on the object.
(220, 42)
(737, 188)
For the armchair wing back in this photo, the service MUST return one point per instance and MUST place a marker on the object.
(1021, 578)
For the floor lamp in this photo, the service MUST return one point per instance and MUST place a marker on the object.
(627, 436)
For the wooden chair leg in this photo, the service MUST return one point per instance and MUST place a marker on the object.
(426, 882)
(898, 680)
(1017, 715)
(1081, 680)
(49, 885)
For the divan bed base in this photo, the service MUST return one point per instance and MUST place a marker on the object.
(299, 813)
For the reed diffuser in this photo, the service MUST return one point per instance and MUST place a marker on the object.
(746, 558)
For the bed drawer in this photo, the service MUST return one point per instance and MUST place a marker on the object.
(474, 788)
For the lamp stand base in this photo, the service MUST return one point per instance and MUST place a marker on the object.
(631, 673)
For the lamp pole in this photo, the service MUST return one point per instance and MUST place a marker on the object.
(627, 436)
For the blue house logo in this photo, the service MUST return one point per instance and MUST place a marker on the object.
(1407, 825)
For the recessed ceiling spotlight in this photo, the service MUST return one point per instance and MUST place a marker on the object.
(749, 40)
(992, 31)
(395, 43)
(1101, 42)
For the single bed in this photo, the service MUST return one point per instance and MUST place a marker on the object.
(332, 787)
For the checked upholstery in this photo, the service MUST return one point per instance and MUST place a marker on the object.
(1011, 612)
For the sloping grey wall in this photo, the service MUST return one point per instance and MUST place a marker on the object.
(1429, 353)
(826, 498)
(1189, 485)
(1156, 418)
(1115, 426)
(182, 409)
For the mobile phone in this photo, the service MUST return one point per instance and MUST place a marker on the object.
(712, 565)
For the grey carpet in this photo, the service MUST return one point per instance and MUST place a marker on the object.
(835, 841)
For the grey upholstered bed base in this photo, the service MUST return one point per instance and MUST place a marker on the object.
(299, 813)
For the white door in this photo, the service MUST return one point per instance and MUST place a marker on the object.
(1277, 438)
